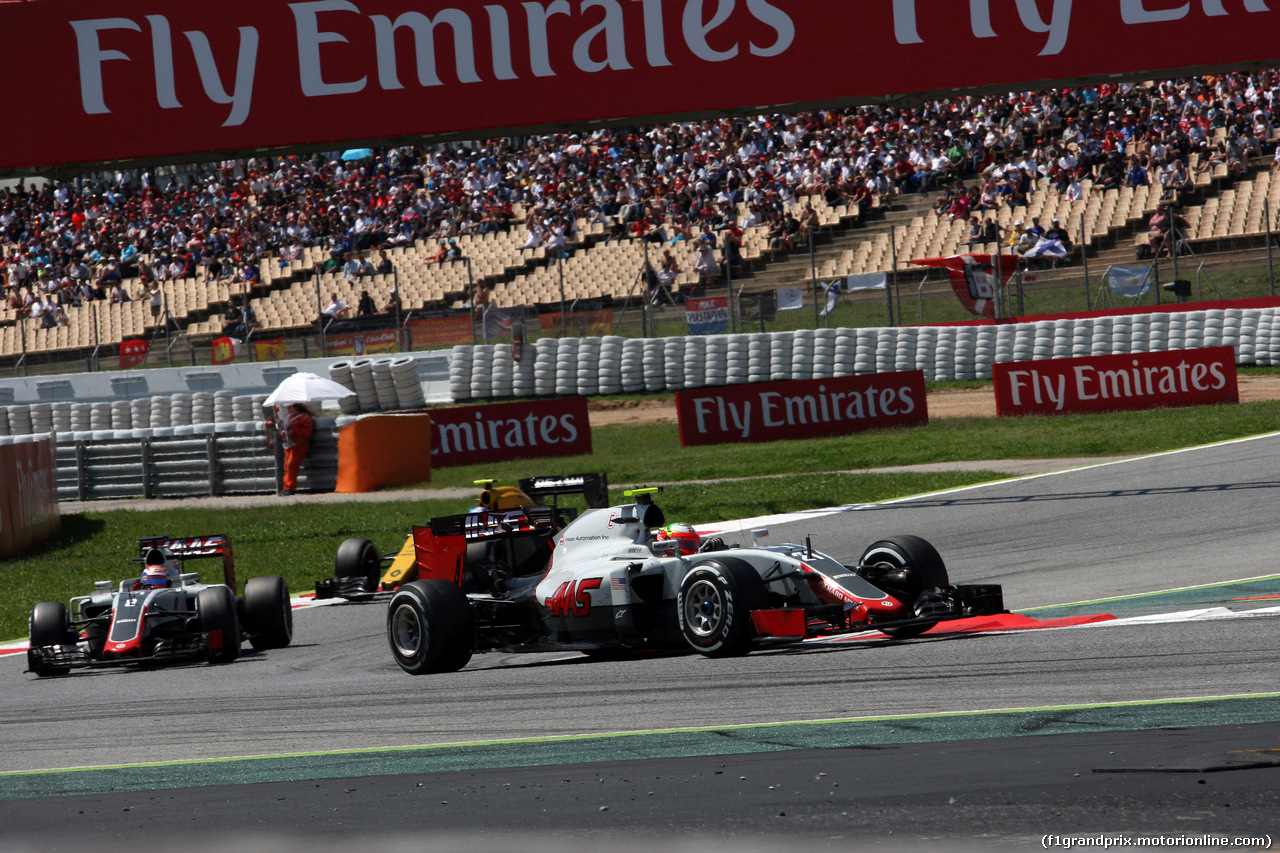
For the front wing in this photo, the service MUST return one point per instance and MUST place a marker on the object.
(957, 602)
(76, 657)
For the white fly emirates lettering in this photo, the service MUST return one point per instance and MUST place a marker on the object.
(468, 435)
(1103, 383)
(1056, 25)
(343, 50)
(801, 409)
(506, 433)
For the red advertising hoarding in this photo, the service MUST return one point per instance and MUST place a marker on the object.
(470, 435)
(362, 343)
(805, 408)
(428, 332)
(28, 495)
(241, 75)
(1108, 383)
(578, 324)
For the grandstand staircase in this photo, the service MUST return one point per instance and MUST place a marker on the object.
(794, 268)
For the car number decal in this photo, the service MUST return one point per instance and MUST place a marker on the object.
(572, 598)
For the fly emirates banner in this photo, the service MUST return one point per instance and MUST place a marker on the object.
(138, 79)
(1108, 383)
(802, 408)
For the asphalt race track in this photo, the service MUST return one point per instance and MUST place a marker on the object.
(964, 741)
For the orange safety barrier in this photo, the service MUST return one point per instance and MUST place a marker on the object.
(384, 450)
(28, 495)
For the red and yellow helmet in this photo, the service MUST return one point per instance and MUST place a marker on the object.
(682, 533)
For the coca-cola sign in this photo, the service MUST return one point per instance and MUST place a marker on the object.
(1107, 383)
(470, 435)
(806, 408)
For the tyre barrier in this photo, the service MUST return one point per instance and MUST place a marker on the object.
(395, 384)
(196, 459)
(611, 365)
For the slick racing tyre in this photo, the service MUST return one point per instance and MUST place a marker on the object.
(268, 613)
(216, 608)
(715, 603)
(357, 558)
(430, 627)
(49, 626)
(904, 567)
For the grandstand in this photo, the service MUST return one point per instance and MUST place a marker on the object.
(813, 160)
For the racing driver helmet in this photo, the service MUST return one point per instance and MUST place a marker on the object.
(155, 575)
(682, 533)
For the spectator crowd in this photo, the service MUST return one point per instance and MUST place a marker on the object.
(94, 238)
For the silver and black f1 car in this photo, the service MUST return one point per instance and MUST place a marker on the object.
(498, 581)
(166, 614)
(359, 570)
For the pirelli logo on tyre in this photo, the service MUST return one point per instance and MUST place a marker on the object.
(1108, 383)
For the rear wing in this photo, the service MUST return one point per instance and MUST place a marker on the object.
(440, 549)
(593, 487)
(194, 547)
(479, 526)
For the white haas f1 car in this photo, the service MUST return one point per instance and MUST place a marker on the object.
(166, 614)
(604, 583)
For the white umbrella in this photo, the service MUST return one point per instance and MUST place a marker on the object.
(306, 388)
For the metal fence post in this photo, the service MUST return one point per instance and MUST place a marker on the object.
(1271, 272)
(212, 451)
(82, 473)
(1084, 257)
(147, 491)
(893, 248)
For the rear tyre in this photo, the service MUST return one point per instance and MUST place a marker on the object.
(216, 606)
(358, 558)
(714, 606)
(430, 627)
(49, 625)
(904, 567)
(268, 613)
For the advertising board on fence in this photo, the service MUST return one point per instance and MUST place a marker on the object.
(470, 435)
(28, 495)
(362, 343)
(440, 331)
(805, 408)
(591, 323)
(1108, 383)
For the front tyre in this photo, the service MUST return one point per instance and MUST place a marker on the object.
(430, 627)
(49, 625)
(216, 607)
(358, 558)
(715, 603)
(268, 613)
(905, 567)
